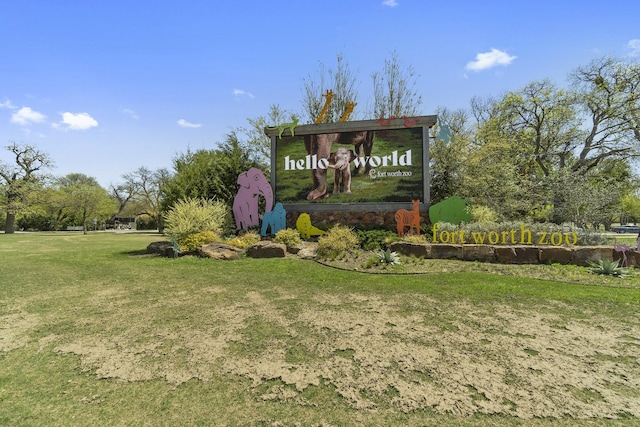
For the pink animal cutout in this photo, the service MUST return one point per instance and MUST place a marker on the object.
(622, 249)
(411, 219)
(245, 205)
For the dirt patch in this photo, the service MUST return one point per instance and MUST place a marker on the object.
(404, 352)
(15, 327)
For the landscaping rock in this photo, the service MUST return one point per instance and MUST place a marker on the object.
(584, 255)
(440, 251)
(554, 255)
(483, 253)
(163, 248)
(218, 250)
(267, 249)
(516, 254)
(419, 250)
(307, 250)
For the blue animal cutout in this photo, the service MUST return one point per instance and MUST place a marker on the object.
(276, 220)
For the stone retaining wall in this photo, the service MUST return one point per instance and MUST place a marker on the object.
(524, 254)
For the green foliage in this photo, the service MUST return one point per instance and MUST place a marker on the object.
(371, 240)
(483, 214)
(340, 240)
(190, 242)
(287, 236)
(192, 216)
(208, 174)
(411, 238)
(607, 268)
(245, 240)
(389, 257)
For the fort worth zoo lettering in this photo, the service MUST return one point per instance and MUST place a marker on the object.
(310, 162)
(524, 236)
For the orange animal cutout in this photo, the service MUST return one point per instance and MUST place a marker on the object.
(325, 108)
(411, 219)
(347, 111)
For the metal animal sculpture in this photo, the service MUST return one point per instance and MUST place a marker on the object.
(411, 219)
(622, 248)
(276, 220)
(253, 184)
(323, 113)
(306, 230)
(281, 128)
(347, 111)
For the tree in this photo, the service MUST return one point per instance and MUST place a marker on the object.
(258, 143)
(608, 91)
(85, 198)
(208, 174)
(341, 82)
(143, 187)
(394, 90)
(21, 179)
(448, 156)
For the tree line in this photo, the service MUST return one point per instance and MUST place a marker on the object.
(540, 153)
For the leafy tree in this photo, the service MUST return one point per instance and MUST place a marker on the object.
(257, 142)
(608, 91)
(448, 156)
(629, 208)
(85, 198)
(208, 174)
(141, 193)
(394, 90)
(22, 179)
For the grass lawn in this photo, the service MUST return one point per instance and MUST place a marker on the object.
(95, 332)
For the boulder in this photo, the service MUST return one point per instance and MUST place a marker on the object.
(444, 251)
(554, 255)
(304, 250)
(419, 250)
(516, 254)
(484, 253)
(267, 249)
(584, 255)
(163, 248)
(218, 250)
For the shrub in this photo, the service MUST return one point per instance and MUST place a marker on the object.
(190, 242)
(483, 214)
(371, 240)
(607, 268)
(423, 238)
(287, 236)
(192, 216)
(245, 240)
(339, 241)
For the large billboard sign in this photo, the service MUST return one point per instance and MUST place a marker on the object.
(359, 165)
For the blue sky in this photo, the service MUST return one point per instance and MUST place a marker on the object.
(107, 86)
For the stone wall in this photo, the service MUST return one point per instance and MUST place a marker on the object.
(525, 254)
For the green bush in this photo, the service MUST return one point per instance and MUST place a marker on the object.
(371, 240)
(190, 242)
(245, 240)
(192, 216)
(339, 241)
(287, 236)
(483, 214)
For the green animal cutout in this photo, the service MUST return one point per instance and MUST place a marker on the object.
(281, 128)
(452, 210)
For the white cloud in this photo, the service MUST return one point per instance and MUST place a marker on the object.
(185, 124)
(129, 112)
(240, 92)
(77, 121)
(634, 47)
(7, 104)
(390, 3)
(26, 116)
(491, 59)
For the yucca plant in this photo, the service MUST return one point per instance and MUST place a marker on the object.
(607, 268)
(389, 257)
